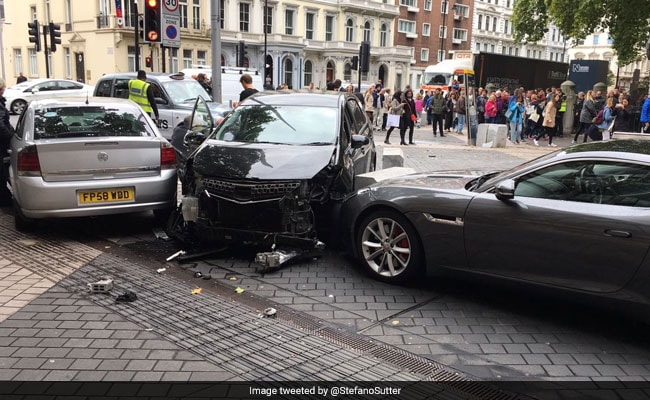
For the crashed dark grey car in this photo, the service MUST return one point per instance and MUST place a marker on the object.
(268, 175)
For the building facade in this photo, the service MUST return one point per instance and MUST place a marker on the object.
(492, 33)
(305, 41)
(434, 30)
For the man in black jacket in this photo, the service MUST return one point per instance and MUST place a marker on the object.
(6, 133)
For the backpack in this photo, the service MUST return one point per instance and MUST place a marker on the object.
(598, 119)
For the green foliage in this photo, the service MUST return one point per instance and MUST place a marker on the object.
(626, 21)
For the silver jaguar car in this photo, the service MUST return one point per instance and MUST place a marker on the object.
(88, 157)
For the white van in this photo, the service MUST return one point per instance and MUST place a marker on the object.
(230, 86)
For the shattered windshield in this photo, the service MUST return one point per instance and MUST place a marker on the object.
(297, 125)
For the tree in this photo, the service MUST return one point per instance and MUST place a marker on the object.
(628, 22)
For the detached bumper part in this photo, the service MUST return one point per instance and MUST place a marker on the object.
(274, 259)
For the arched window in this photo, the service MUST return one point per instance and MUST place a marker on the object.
(288, 72)
(347, 72)
(349, 30)
(330, 71)
(366, 31)
(308, 72)
(223, 61)
(383, 35)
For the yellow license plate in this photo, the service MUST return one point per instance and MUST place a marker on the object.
(106, 196)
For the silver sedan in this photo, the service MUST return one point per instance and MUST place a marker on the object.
(78, 157)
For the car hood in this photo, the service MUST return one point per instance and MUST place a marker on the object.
(438, 179)
(236, 160)
(12, 93)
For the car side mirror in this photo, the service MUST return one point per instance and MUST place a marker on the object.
(160, 100)
(505, 190)
(359, 141)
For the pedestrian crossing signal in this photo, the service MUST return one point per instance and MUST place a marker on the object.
(147, 62)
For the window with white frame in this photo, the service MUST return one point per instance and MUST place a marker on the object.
(442, 32)
(383, 35)
(269, 19)
(494, 24)
(33, 65)
(441, 55)
(187, 58)
(288, 21)
(18, 61)
(196, 14)
(130, 58)
(409, 3)
(478, 46)
(202, 57)
(244, 16)
(479, 23)
(309, 25)
(426, 29)
(329, 28)
(427, 5)
(174, 60)
(517, 51)
(182, 10)
(349, 30)
(308, 78)
(444, 7)
(492, 48)
(366, 31)
(347, 72)
(424, 54)
(404, 26)
(67, 60)
(461, 10)
(460, 34)
(222, 11)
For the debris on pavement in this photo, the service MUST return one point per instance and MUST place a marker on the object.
(239, 290)
(198, 274)
(395, 322)
(270, 312)
(127, 297)
(161, 270)
(232, 278)
(207, 277)
(197, 290)
(102, 286)
(178, 253)
(160, 234)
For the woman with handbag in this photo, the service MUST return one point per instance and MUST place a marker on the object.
(394, 114)
(408, 117)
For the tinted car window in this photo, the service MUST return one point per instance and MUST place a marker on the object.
(104, 88)
(75, 121)
(358, 115)
(69, 85)
(122, 88)
(614, 183)
(280, 124)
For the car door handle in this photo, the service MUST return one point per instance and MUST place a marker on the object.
(617, 233)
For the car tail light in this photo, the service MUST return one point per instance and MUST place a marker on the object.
(167, 156)
(28, 164)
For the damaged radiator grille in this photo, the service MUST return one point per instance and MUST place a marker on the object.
(249, 191)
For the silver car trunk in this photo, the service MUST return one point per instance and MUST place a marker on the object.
(99, 158)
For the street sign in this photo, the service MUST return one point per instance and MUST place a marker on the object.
(171, 37)
(171, 20)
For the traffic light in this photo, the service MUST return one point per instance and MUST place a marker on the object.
(241, 53)
(364, 51)
(147, 62)
(141, 27)
(34, 34)
(55, 36)
(152, 21)
(355, 63)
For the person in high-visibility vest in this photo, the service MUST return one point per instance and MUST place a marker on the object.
(559, 117)
(139, 92)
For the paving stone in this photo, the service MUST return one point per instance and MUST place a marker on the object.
(119, 376)
(583, 370)
(85, 364)
(536, 359)
(492, 348)
(82, 353)
(57, 352)
(31, 374)
(27, 352)
(140, 365)
(562, 359)
(168, 366)
(57, 363)
(92, 376)
(112, 365)
(29, 363)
